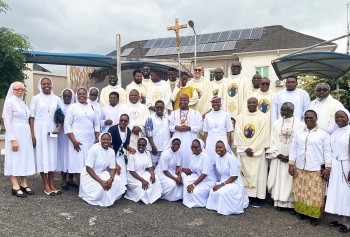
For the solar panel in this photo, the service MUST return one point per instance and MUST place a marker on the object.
(166, 42)
(169, 51)
(149, 43)
(151, 52)
(185, 40)
(200, 47)
(224, 35)
(204, 39)
(173, 42)
(245, 34)
(175, 51)
(218, 46)
(208, 47)
(256, 33)
(160, 51)
(230, 45)
(188, 49)
(234, 35)
(214, 37)
(126, 52)
(157, 43)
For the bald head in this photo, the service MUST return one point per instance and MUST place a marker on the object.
(184, 100)
(256, 81)
(134, 96)
(218, 74)
(252, 104)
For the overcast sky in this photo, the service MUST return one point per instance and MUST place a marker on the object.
(90, 26)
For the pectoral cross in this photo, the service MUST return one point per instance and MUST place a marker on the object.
(177, 28)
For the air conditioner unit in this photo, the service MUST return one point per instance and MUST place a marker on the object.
(279, 83)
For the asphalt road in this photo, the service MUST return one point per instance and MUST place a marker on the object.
(68, 215)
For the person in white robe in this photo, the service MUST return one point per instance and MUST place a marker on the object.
(236, 89)
(228, 196)
(185, 123)
(299, 97)
(93, 101)
(143, 183)
(43, 129)
(325, 105)
(146, 77)
(99, 183)
(172, 79)
(338, 195)
(138, 114)
(279, 182)
(19, 154)
(137, 85)
(109, 113)
(159, 90)
(201, 176)
(256, 83)
(169, 173)
(82, 126)
(68, 98)
(251, 132)
(157, 132)
(113, 86)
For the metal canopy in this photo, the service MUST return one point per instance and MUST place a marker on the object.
(323, 64)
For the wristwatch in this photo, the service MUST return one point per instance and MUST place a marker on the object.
(193, 185)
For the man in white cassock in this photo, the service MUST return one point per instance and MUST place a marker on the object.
(279, 182)
(113, 86)
(256, 82)
(185, 123)
(138, 114)
(236, 89)
(172, 79)
(299, 98)
(146, 77)
(109, 113)
(324, 105)
(250, 138)
(159, 90)
(137, 85)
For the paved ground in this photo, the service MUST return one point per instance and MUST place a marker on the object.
(68, 215)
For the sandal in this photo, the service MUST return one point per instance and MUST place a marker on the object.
(57, 192)
(65, 187)
(49, 193)
(24, 190)
(20, 195)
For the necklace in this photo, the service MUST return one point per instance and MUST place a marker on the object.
(48, 104)
(23, 107)
(339, 135)
(183, 121)
(286, 136)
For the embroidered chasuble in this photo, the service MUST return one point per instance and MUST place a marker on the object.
(147, 83)
(172, 84)
(200, 85)
(104, 97)
(159, 91)
(187, 90)
(141, 88)
(265, 100)
(214, 88)
(325, 110)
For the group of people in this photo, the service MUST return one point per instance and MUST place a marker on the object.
(208, 143)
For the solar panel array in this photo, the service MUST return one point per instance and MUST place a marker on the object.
(218, 41)
(126, 52)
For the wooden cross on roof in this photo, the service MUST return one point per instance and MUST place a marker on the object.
(177, 28)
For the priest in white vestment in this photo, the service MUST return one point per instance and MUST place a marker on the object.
(109, 113)
(299, 97)
(256, 82)
(172, 79)
(324, 105)
(185, 123)
(146, 77)
(159, 90)
(199, 83)
(113, 86)
(138, 114)
(235, 91)
(279, 182)
(250, 138)
(137, 85)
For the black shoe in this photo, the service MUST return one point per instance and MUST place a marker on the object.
(256, 203)
(335, 224)
(315, 221)
(73, 185)
(279, 208)
(65, 187)
(29, 192)
(344, 229)
(301, 217)
(292, 212)
(20, 195)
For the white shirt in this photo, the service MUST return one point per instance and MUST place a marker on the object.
(158, 129)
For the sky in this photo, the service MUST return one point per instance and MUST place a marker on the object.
(90, 26)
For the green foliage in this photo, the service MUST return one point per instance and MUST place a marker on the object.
(342, 94)
(4, 7)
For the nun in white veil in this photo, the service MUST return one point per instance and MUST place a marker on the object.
(19, 153)
(229, 195)
(201, 177)
(42, 125)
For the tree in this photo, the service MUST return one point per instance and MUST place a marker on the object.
(342, 94)
(12, 60)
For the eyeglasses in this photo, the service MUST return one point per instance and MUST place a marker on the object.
(20, 89)
(194, 147)
(145, 69)
(197, 70)
(265, 83)
(141, 144)
(322, 89)
(95, 95)
(309, 118)
(123, 120)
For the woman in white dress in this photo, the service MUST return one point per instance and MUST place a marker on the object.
(99, 183)
(19, 153)
(82, 126)
(68, 98)
(169, 171)
(93, 100)
(201, 177)
(42, 126)
(143, 185)
(338, 195)
(229, 195)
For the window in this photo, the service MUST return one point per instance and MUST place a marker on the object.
(211, 76)
(263, 71)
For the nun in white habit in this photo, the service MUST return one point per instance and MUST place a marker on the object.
(19, 153)
(169, 171)
(42, 109)
(99, 183)
(229, 195)
(143, 185)
(201, 177)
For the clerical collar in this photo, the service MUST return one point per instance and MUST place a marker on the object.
(264, 92)
(314, 129)
(116, 86)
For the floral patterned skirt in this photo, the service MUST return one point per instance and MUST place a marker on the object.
(309, 193)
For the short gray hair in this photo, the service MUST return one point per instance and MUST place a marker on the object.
(289, 105)
(323, 84)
